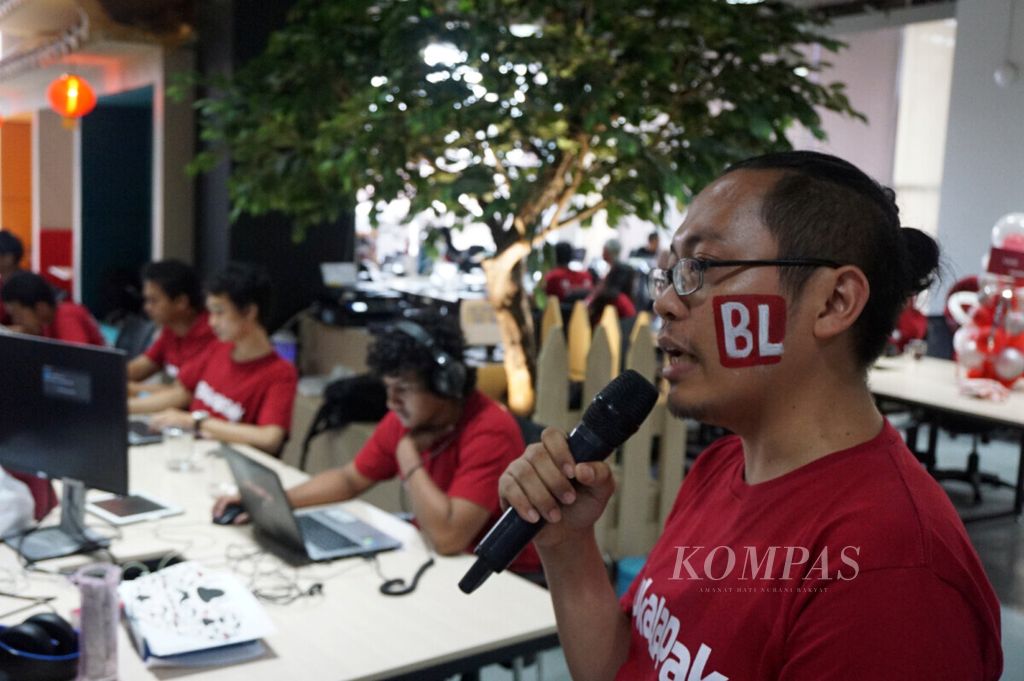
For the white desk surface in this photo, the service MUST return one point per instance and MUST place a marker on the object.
(934, 383)
(351, 631)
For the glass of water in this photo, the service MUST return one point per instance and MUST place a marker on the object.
(180, 444)
(917, 347)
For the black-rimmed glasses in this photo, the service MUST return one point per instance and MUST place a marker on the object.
(687, 275)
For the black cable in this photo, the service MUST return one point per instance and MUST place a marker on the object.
(398, 587)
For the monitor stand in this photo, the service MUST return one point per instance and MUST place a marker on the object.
(70, 537)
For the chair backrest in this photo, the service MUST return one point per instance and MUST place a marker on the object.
(135, 334)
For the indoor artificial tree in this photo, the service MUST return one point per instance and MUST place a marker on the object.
(525, 115)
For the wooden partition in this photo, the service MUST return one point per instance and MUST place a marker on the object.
(613, 329)
(552, 317)
(637, 517)
(579, 338)
(552, 405)
(649, 468)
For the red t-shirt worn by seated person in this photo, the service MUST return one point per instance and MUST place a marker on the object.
(72, 323)
(561, 281)
(468, 466)
(259, 391)
(171, 351)
(852, 567)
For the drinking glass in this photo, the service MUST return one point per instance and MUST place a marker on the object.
(180, 443)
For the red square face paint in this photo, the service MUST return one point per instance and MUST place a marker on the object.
(750, 329)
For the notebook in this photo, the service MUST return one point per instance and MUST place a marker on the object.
(314, 534)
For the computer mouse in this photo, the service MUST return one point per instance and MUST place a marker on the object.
(228, 515)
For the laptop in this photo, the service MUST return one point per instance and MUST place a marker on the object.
(306, 535)
(140, 434)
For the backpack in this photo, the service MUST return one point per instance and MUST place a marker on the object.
(356, 398)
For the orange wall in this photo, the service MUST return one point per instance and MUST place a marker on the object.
(16, 176)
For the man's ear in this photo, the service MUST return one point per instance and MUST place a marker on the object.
(252, 313)
(844, 292)
(182, 302)
(44, 312)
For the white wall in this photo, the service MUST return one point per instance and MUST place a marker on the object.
(984, 160)
(869, 67)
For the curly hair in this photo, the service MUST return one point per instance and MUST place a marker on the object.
(393, 352)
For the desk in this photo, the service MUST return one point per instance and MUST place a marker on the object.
(932, 384)
(352, 631)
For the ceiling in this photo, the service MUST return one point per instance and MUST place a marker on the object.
(114, 44)
(106, 41)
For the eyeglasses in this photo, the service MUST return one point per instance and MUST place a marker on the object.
(687, 275)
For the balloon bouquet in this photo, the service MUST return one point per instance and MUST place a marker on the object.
(990, 341)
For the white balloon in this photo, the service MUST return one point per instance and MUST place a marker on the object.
(961, 306)
(971, 357)
(1009, 365)
(962, 337)
(1015, 323)
(1009, 228)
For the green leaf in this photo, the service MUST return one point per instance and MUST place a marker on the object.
(662, 96)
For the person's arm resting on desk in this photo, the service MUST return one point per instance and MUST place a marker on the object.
(332, 485)
(175, 397)
(140, 368)
(594, 631)
(267, 438)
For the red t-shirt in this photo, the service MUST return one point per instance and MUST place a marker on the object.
(467, 467)
(905, 595)
(561, 281)
(259, 391)
(72, 323)
(172, 351)
(910, 325)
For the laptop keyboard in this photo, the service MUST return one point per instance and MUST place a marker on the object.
(316, 533)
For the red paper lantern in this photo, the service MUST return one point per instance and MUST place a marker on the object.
(71, 96)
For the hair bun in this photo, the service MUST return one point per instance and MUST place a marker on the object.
(922, 259)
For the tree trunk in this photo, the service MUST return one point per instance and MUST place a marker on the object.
(515, 320)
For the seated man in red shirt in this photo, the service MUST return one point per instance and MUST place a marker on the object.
(173, 299)
(11, 252)
(811, 545)
(34, 309)
(564, 282)
(241, 390)
(444, 439)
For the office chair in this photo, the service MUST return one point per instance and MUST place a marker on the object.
(955, 425)
(135, 334)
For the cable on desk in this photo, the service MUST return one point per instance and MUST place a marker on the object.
(34, 601)
(274, 585)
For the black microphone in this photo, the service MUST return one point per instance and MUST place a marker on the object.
(614, 415)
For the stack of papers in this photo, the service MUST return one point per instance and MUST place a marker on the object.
(188, 615)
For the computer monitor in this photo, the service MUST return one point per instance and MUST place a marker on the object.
(63, 414)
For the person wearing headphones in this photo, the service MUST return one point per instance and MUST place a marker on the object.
(445, 440)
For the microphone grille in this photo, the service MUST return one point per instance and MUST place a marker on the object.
(621, 406)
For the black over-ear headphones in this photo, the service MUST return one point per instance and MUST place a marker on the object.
(448, 377)
(43, 648)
